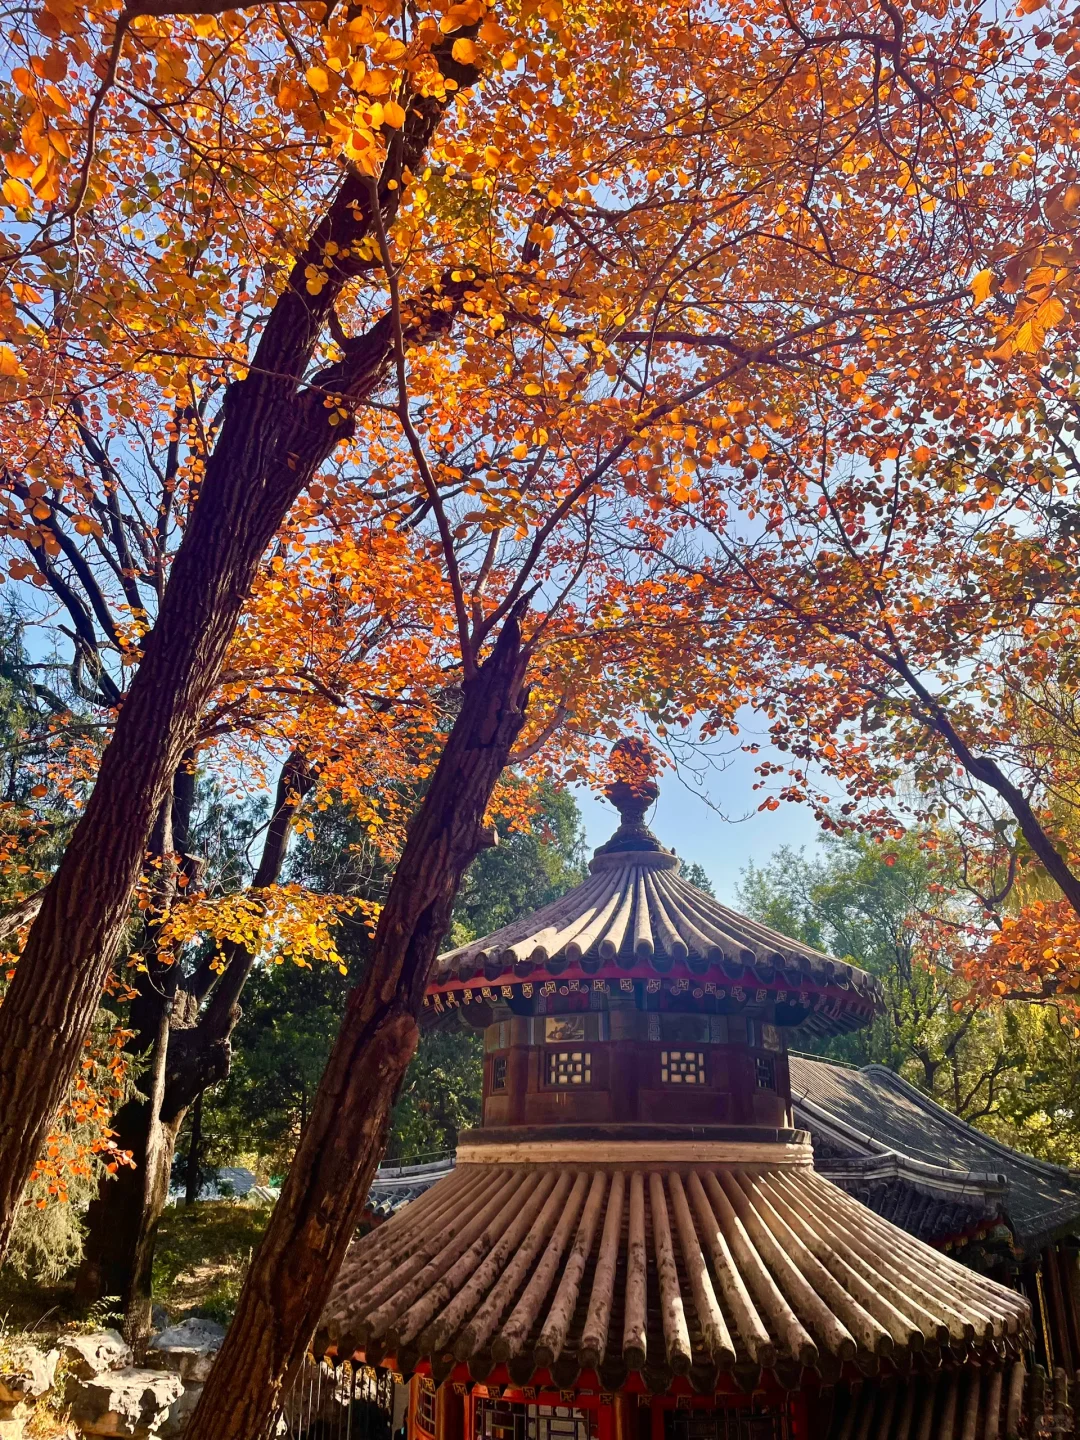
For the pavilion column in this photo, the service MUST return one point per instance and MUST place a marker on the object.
(449, 1413)
(624, 1420)
(1060, 1331)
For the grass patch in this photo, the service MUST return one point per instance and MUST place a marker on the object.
(202, 1255)
(29, 1306)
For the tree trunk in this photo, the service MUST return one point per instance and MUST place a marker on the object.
(323, 1197)
(193, 1167)
(114, 1217)
(122, 1221)
(275, 433)
(161, 1142)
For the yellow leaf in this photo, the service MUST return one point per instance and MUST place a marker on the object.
(377, 82)
(464, 52)
(393, 114)
(1051, 312)
(318, 79)
(982, 285)
(19, 164)
(15, 193)
(533, 390)
(1027, 340)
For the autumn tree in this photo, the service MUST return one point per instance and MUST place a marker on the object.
(301, 682)
(903, 568)
(271, 435)
(563, 295)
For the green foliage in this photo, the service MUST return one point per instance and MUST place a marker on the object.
(291, 1015)
(35, 814)
(280, 1049)
(440, 1096)
(1011, 1069)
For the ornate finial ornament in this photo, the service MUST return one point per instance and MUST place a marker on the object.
(632, 791)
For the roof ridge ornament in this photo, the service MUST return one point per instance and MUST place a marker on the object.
(632, 792)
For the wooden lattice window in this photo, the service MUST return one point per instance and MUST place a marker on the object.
(425, 1406)
(498, 1072)
(569, 1067)
(766, 1073)
(732, 1423)
(507, 1420)
(682, 1067)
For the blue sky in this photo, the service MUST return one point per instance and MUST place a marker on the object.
(714, 834)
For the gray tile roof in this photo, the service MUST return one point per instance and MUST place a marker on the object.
(396, 1185)
(870, 1126)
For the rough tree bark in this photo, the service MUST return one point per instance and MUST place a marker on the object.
(275, 433)
(324, 1194)
(189, 1053)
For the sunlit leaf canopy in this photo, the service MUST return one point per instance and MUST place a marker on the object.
(678, 251)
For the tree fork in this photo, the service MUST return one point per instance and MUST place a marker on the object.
(323, 1197)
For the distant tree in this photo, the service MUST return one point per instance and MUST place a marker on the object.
(884, 909)
(696, 875)
(290, 1018)
(892, 910)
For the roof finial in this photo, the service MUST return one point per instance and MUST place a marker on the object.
(632, 791)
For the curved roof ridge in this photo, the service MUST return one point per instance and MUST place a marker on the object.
(828, 1120)
(897, 1082)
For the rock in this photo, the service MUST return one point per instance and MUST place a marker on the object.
(188, 1349)
(130, 1403)
(11, 1428)
(175, 1423)
(90, 1355)
(26, 1372)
